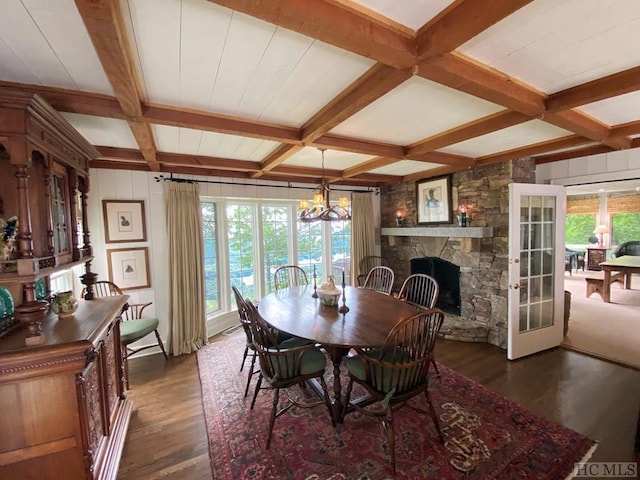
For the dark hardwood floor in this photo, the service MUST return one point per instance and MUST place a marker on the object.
(167, 438)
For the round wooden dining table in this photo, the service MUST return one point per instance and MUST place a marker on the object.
(370, 317)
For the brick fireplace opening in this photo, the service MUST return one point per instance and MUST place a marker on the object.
(447, 274)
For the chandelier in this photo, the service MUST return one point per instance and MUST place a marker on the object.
(319, 208)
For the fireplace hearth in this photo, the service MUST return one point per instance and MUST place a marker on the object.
(447, 275)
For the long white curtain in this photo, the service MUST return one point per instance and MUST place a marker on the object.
(187, 322)
(363, 241)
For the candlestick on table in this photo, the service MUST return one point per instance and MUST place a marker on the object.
(343, 308)
(315, 294)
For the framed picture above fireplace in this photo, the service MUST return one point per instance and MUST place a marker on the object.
(433, 200)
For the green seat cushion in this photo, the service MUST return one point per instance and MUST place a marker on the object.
(292, 342)
(133, 330)
(390, 377)
(313, 360)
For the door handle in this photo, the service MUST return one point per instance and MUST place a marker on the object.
(515, 286)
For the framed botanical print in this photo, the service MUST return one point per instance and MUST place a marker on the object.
(433, 200)
(124, 221)
(129, 267)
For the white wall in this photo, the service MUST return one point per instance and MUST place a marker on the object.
(619, 165)
(132, 185)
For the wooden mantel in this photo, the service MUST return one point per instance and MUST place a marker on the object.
(448, 231)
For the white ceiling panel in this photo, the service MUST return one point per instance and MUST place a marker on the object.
(553, 45)
(413, 111)
(197, 142)
(613, 111)
(101, 131)
(319, 76)
(405, 167)
(411, 13)
(527, 133)
(203, 56)
(333, 159)
(156, 27)
(46, 43)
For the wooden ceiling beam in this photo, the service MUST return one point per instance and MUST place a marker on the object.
(599, 89)
(463, 74)
(377, 81)
(477, 128)
(462, 21)
(334, 24)
(275, 158)
(434, 172)
(115, 153)
(211, 122)
(586, 126)
(105, 25)
(144, 137)
(579, 152)
(625, 129)
(73, 101)
(530, 150)
(367, 166)
(180, 159)
(355, 145)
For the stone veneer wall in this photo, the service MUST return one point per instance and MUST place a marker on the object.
(483, 261)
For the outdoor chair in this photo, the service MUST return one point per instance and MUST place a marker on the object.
(134, 326)
(627, 248)
(366, 264)
(398, 372)
(289, 276)
(379, 279)
(420, 290)
(283, 366)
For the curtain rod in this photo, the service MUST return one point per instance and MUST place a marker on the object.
(171, 178)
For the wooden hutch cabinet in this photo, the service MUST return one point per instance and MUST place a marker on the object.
(65, 413)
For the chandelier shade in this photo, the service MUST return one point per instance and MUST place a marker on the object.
(319, 208)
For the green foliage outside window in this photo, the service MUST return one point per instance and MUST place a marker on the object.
(579, 227)
(275, 241)
(212, 291)
(625, 227)
(240, 237)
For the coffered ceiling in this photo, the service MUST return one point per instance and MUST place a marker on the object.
(395, 91)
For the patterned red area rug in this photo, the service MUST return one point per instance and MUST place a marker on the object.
(486, 435)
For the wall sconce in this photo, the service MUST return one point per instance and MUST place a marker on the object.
(462, 216)
(399, 218)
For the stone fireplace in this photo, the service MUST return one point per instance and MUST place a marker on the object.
(447, 275)
(479, 250)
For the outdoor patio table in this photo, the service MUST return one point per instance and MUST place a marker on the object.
(627, 264)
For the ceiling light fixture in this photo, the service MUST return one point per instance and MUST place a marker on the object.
(319, 208)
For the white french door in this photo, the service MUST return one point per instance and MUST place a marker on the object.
(536, 268)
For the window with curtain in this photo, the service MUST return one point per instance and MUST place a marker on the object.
(275, 225)
(341, 250)
(258, 236)
(310, 248)
(209, 234)
(241, 234)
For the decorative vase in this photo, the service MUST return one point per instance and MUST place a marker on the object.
(329, 293)
(64, 304)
